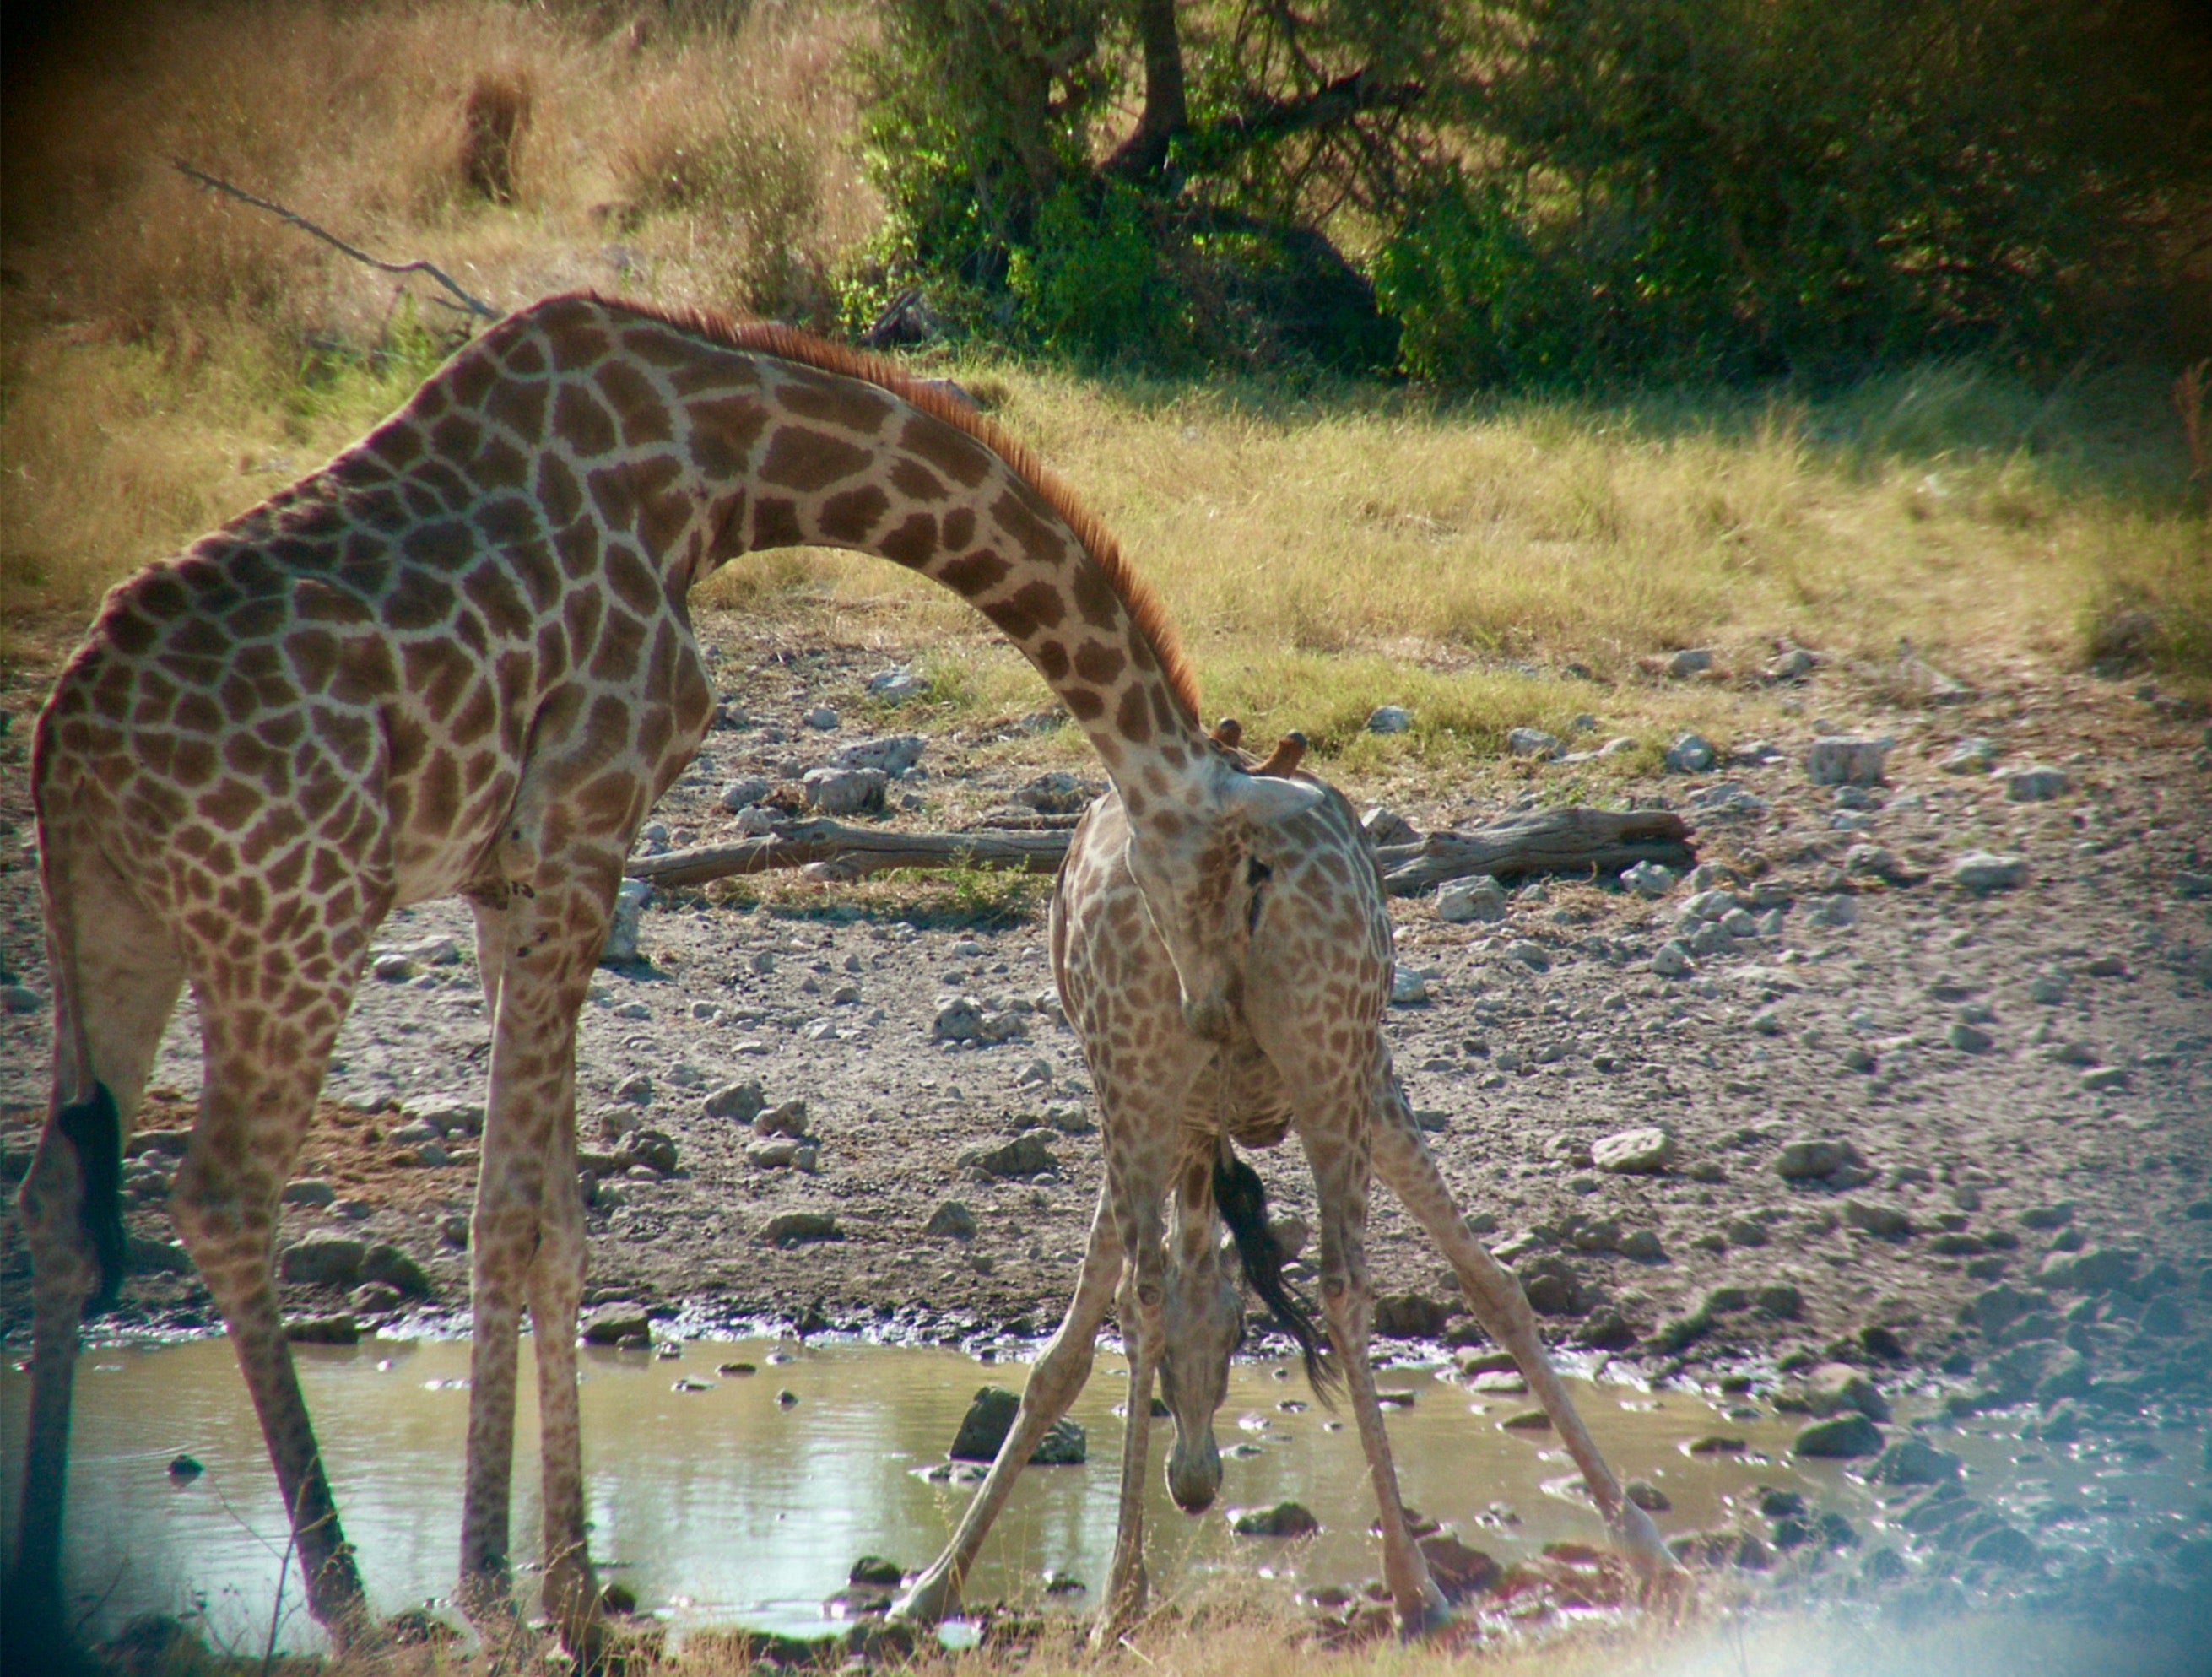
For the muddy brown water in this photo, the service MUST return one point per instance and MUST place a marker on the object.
(729, 1504)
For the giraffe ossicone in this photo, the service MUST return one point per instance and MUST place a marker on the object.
(458, 659)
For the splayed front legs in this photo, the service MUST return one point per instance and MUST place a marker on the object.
(1061, 1373)
(1498, 1304)
(1339, 1163)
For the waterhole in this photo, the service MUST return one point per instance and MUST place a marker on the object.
(720, 1497)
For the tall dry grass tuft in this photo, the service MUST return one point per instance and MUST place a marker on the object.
(167, 356)
(493, 123)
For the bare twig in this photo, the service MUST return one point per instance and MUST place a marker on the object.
(468, 305)
(277, 1610)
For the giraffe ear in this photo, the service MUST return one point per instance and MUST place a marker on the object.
(1263, 800)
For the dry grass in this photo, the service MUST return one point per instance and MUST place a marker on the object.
(1325, 557)
(1250, 1641)
(167, 357)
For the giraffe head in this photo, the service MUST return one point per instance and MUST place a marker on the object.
(1202, 1314)
(1200, 871)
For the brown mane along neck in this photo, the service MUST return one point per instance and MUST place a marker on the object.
(788, 343)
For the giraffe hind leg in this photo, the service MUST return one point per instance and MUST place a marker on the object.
(116, 981)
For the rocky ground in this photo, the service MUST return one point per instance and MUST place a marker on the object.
(1932, 1126)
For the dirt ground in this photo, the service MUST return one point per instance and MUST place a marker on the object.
(2021, 1077)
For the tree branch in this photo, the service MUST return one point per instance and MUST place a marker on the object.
(468, 305)
(1326, 106)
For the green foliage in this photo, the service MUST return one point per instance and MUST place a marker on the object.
(1744, 189)
(1553, 193)
(1092, 283)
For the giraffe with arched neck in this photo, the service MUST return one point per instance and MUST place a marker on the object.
(1294, 916)
(457, 659)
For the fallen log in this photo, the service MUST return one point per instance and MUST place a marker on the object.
(1569, 840)
(846, 853)
(1572, 840)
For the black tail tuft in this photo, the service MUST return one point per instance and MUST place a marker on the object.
(1243, 1203)
(94, 1128)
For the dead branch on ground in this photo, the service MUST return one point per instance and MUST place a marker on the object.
(1572, 840)
(1560, 841)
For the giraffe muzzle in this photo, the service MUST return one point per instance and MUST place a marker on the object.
(1195, 1473)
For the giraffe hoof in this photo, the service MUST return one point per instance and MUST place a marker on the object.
(929, 1601)
(1431, 1621)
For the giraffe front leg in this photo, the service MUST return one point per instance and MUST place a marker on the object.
(570, 1588)
(527, 1232)
(1340, 1168)
(1403, 1162)
(1143, 1293)
(1061, 1373)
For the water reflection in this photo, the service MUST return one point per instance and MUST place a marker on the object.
(726, 1502)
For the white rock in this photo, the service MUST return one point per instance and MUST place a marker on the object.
(1634, 1152)
(1846, 759)
(1709, 905)
(1690, 754)
(1533, 742)
(893, 754)
(2037, 783)
(1836, 911)
(1619, 745)
(1407, 988)
(845, 791)
(1672, 961)
(1972, 755)
(630, 899)
(822, 717)
(1464, 900)
(896, 684)
(1987, 870)
(1649, 879)
(737, 795)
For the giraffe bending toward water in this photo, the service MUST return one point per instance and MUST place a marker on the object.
(458, 659)
(1292, 913)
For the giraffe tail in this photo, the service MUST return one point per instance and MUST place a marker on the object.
(94, 1128)
(1243, 1201)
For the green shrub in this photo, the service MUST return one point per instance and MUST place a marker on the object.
(1092, 283)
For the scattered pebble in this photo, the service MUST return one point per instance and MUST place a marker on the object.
(1972, 755)
(2037, 783)
(1479, 899)
(1982, 870)
(1642, 1153)
(1690, 754)
(1846, 759)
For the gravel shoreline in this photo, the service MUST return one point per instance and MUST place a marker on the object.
(1993, 1099)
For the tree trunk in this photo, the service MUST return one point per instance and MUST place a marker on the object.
(1144, 154)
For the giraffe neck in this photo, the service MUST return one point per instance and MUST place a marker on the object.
(676, 445)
